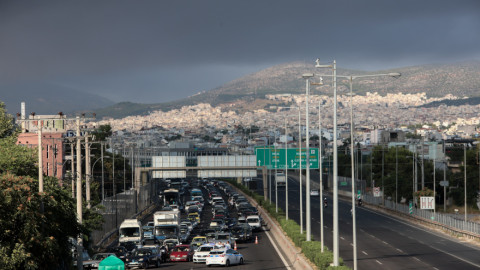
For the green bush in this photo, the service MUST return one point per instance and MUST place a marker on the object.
(341, 267)
(311, 249)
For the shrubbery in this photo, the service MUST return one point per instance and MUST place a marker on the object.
(311, 249)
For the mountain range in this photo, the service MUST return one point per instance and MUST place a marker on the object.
(459, 79)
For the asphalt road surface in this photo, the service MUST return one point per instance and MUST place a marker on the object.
(383, 242)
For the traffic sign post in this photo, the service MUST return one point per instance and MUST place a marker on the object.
(275, 158)
(410, 207)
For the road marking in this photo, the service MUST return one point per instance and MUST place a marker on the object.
(435, 268)
(364, 252)
(417, 259)
(385, 242)
(378, 262)
(351, 244)
(341, 237)
(278, 251)
(399, 250)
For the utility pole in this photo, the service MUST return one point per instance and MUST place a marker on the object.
(103, 174)
(38, 121)
(79, 195)
(88, 172)
(423, 168)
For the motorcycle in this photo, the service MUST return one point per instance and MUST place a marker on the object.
(325, 204)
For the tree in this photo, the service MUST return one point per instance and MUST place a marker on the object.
(17, 159)
(35, 228)
(6, 122)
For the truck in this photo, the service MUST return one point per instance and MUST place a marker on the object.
(172, 197)
(280, 179)
(166, 224)
(131, 231)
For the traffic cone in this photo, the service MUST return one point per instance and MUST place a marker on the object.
(256, 240)
(235, 245)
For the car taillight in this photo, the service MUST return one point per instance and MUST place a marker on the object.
(222, 255)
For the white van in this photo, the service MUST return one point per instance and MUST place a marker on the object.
(255, 222)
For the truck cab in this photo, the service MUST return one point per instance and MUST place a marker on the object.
(131, 231)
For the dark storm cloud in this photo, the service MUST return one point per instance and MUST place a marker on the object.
(176, 48)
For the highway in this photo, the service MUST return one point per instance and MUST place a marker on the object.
(257, 256)
(383, 242)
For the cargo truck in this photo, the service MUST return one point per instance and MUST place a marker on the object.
(131, 231)
(280, 179)
(166, 224)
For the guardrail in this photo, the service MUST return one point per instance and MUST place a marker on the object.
(452, 224)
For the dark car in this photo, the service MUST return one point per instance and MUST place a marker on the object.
(241, 232)
(143, 258)
(120, 251)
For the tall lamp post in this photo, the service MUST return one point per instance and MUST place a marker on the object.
(333, 66)
(352, 143)
(286, 161)
(307, 77)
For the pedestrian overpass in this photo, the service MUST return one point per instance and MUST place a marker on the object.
(167, 167)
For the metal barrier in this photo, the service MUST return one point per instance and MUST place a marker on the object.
(454, 223)
(122, 206)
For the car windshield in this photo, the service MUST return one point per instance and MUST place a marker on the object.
(205, 249)
(222, 237)
(143, 252)
(237, 229)
(181, 249)
(252, 220)
(99, 257)
(128, 232)
(217, 252)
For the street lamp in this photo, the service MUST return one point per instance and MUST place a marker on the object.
(286, 162)
(93, 166)
(335, 177)
(307, 77)
(335, 161)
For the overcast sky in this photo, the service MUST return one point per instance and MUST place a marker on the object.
(157, 51)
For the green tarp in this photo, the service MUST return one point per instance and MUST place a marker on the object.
(111, 263)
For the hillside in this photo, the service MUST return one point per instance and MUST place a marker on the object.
(459, 79)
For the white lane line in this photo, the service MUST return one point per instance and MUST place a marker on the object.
(399, 250)
(364, 252)
(351, 244)
(278, 251)
(417, 259)
(385, 242)
(341, 237)
(435, 268)
(378, 262)
(428, 232)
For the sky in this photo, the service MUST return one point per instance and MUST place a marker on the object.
(159, 51)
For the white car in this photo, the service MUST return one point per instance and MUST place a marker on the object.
(255, 222)
(224, 257)
(202, 252)
(314, 192)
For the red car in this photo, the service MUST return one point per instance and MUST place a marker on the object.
(181, 253)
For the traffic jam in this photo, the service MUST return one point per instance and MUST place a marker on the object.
(201, 221)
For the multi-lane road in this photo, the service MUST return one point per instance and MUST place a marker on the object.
(383, 242)
(262, 255)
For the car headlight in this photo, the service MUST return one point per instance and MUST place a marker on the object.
(140, 260)
(184, 255)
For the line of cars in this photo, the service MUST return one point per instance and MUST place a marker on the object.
(202, 224)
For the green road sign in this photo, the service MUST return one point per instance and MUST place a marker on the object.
(343, 183)
(410, 208)
(275, 158)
